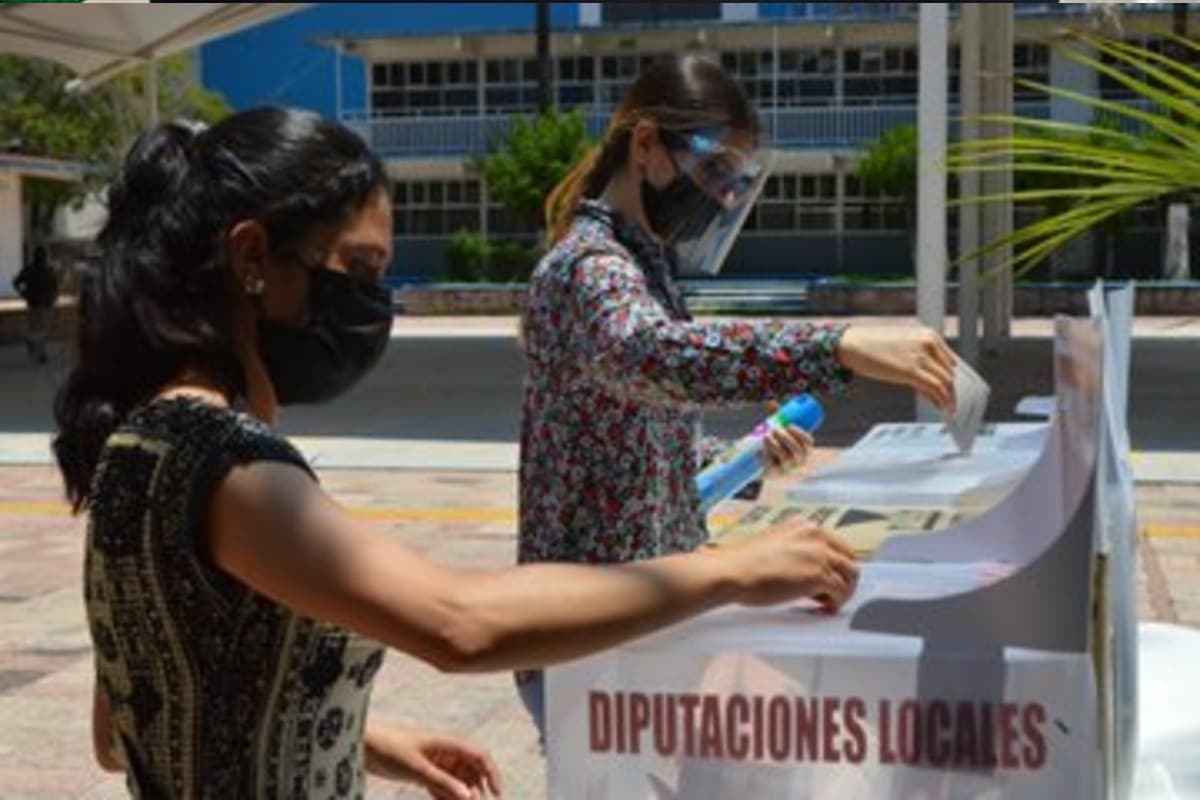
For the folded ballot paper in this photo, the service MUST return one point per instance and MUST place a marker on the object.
(971, 394)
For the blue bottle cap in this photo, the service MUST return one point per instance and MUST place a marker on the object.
(802, 411)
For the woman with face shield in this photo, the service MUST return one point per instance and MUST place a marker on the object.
(239, 615)
(617, 370)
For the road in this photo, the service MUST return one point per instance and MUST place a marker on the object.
(461, 382)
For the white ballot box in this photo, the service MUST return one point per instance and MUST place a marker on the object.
(918, 464)
(966, 666)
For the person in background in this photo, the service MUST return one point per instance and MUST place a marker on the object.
(37, 284)
(617, 370)
(238, 614)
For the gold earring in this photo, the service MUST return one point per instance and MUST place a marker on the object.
(255, 285)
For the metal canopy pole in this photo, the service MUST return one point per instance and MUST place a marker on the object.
(931, 173)
(997, 217)
(150, 90)
(970, 44)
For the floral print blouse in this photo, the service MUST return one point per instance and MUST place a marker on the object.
(616, 374)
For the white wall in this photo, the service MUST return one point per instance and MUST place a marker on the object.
(11, 251)
(739, 12)
(589, 14)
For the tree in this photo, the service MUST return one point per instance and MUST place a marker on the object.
(545, 64)
(890, 164)
(889, 167)
(519, 171)
(1094, 174)
(522, 168)
(40, 117)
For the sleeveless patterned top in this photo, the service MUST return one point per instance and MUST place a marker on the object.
(216, 691)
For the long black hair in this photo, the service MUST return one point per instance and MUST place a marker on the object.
(159, 296)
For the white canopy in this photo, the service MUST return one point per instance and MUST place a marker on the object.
(99, 40)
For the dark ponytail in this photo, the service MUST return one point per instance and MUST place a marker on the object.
(158, 298)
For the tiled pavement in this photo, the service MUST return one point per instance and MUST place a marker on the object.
(464, 518)
(454, 500)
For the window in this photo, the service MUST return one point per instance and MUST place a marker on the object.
(1031, 61)
(427, 87)
(387, 103)
(880, 75)
(575, 81)
(436, 208)
(511, 85)
(865, 209)
(657, 12)
(794, 202)
(805, 76)
(617, 73)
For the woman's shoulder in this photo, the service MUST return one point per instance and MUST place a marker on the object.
(585, 242)
(204, 431)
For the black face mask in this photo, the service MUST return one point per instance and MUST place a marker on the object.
(679, 211)
(349, 325)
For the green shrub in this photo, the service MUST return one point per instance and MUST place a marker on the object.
(467, 257)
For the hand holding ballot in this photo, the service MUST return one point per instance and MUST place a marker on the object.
(791, 560)
(909, 356)
(971, 394)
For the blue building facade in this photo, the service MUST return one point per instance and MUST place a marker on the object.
(289, 64)
(430, 85)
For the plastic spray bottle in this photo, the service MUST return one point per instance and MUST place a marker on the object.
(743, 462)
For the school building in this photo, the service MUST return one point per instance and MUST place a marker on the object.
(431, 85)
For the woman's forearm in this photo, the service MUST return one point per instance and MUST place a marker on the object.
(308, 554)
(546, 613)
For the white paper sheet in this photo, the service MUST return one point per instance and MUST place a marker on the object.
(971, 394)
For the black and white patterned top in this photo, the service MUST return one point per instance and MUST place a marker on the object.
(216, 691)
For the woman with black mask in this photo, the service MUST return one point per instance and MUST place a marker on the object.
(239, 615)
(616, 368)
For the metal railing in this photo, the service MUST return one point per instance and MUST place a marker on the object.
(820, 12)
(789, 128)
(795, 128)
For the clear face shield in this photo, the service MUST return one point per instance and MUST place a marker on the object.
(701, 221)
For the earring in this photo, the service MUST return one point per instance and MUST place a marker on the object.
(255, 285)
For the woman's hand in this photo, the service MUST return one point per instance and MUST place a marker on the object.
(786, 449)
(446, 767)
(910, 356)
(795, 559)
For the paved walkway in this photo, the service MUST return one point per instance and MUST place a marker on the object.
(465, 518)
(430, 440)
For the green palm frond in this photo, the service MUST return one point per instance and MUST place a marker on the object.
(1090, 175)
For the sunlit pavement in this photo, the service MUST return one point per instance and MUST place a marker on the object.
(424, 450)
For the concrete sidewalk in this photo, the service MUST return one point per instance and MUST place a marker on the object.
(425, 450)
(465, 518)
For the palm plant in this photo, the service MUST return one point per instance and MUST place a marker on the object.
(1088, 176)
